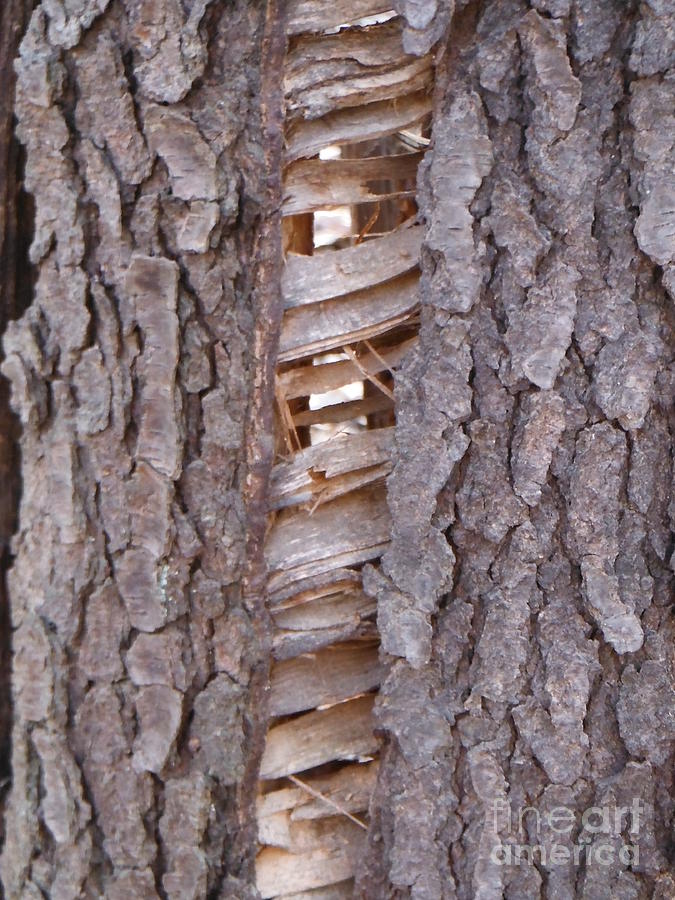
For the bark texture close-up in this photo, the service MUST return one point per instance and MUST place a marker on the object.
(337, 567)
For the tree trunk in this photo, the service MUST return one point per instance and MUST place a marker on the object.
(515, 525)
(136, 603)
(15, 290)
(524, 599)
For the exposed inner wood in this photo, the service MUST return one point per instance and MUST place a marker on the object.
(312, 184)
(350, 319)
(360, 123)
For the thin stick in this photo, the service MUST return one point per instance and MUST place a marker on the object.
(377, 356)
(287, 419)
(359, 365)
(369, 224)
(319, 796)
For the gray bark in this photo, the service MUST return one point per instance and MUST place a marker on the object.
(524, 599)
(137, 639)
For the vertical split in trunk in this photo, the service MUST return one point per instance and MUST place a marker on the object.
(357, 109)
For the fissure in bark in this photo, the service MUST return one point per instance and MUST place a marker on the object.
(525, 641)
(355, 102)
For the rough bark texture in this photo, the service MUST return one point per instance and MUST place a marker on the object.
(15, 290)
(524, 600)
(132, 372)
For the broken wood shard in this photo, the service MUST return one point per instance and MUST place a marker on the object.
(320, 15)
(331, 324)
(309, 279)
(353, 67)
(302, 872)
(325, 613)
(298, 837)
(349, 787)
(354, 524)
(318, 379)
(344, 412)
(361, 123)
(344, 731)
(316, 467)
(330, 676)
(313, 184)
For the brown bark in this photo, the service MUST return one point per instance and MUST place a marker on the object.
(138, 655)
(15, 287)
(526, 574)
(524, 598)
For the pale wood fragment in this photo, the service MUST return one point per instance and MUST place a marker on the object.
(361, 123)
(350, 524)
(327, 564)
(301, 872)
(302, 836)
(327, 801)
(323, 678)
(344, 731)
(350, 85)
(318, 379)
(316, 57)
(325, 613)
(334, 273)
(328, 325)
(335, 582)
(321, 490)
(313, 184)
(319, 15)
(290, 644)
(350, 786)
(344, 412)
(342, 891)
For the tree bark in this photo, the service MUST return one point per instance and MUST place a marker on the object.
(15, 289)
(138, 637)
(524, 597)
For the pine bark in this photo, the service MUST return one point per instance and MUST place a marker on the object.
(139, 642)
(524, 599)
(15, 290)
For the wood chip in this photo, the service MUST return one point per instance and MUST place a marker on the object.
(320, 15)
(318, 327)
(336, 832)
(343, 412)
(312, 468)
(344, 731)
(334, 273)
(290, 644)
(306, 380)
(362, 123)
(312, 184)
(338, 85)
(302, 872)
(342, 891)
(354, 523)
(323, 678)
(351, 786)
(325, 613)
